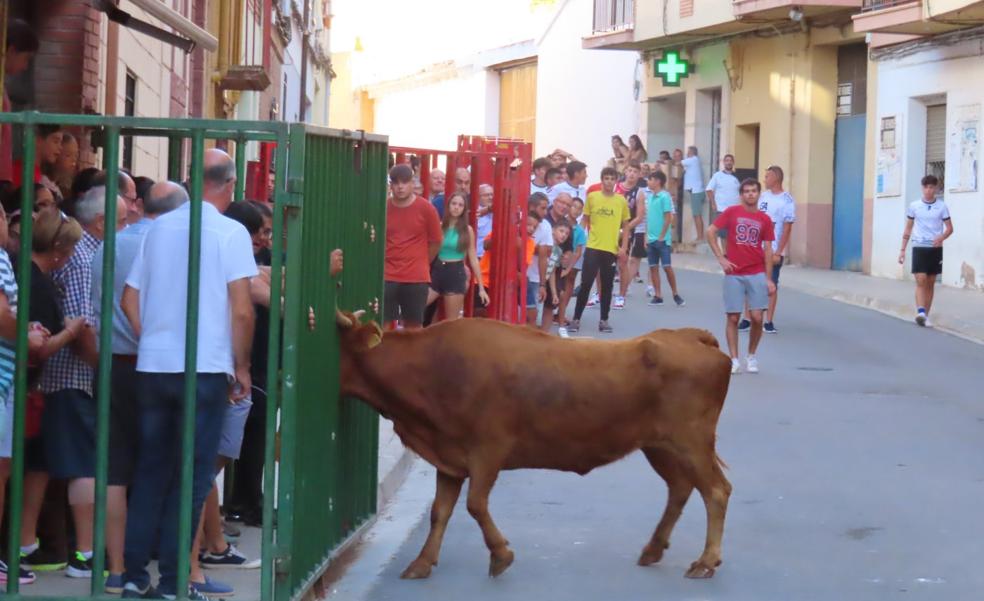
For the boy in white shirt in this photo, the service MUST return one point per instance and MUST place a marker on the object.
(928, 224)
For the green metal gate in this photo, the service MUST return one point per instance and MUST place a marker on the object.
(329, 443)
(329, 192)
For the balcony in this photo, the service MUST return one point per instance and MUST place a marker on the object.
(613, 25)
(916, 18)
(786, 10)
(660, 24)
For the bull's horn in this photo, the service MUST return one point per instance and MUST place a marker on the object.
(342, 320)
(358, 314)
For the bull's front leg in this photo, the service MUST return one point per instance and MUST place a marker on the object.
(448, 490)
(482, 481)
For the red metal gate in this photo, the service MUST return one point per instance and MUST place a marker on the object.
(505, 165)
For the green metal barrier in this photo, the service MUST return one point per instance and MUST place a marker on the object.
(334, 197)
(331, 490)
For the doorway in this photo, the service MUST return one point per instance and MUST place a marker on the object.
(849, 141)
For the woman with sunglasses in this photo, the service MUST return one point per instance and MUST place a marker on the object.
(53, 243)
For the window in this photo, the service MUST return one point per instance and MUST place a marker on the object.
(936, 142)
(129, 110)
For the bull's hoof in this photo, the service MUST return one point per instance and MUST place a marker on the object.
(650, 555)
(699, 570)
(417, 570)
(499, 563)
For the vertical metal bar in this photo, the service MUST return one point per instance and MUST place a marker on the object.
(185, 527)
(240, 168)
(111, 155)
(293, 312)
(20, 375)
(175, 145)
(273, 367)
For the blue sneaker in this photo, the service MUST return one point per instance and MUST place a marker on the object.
(132, 591)
(114, 584)
(212, 588)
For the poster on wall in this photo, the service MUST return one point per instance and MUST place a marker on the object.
(964, 148)
(888, 175)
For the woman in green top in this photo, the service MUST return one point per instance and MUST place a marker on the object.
(449, 279)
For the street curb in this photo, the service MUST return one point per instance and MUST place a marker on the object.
(942, 322)
(393, 480)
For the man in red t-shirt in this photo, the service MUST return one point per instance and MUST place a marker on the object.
(747, 268)
(413, 238)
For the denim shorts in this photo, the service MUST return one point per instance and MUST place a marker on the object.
(659, 252)
(7, 425)
(532, 292)
(233, 426)
(739, 288)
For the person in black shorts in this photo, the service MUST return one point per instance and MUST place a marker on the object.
(632, 188)
(413, 239)
(449, 279)
(927, 224)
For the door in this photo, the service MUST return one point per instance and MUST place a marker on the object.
(848, 192)
(517, 102)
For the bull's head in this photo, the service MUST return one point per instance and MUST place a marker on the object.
(357, 335)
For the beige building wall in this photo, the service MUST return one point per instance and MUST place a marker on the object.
(786, 86)
(343, 106)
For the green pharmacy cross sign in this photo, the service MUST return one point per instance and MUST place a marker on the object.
(671, 68)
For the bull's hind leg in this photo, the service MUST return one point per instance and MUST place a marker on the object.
(448, 489)
(715, 489)
(679, 487)
(482, 481)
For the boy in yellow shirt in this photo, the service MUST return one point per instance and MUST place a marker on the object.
(605, 216)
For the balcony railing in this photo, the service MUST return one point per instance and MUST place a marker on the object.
(870, 5)
(613, 15)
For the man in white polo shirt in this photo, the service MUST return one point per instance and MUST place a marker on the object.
(693, 188)
(722, 189)
(154, 303)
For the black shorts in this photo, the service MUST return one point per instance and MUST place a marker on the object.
(927, 259)
(448, 277)
(776, 268)
(403, 301)
(68, 430)
(638, 245)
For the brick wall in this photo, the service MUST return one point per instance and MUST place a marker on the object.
(66, 68)
(67, 65)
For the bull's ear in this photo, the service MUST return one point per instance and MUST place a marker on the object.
(342, 320)
(377, 336)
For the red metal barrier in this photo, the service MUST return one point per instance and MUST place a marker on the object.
(258, 173)
(507, 170)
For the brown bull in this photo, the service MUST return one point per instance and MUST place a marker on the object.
(474, 397)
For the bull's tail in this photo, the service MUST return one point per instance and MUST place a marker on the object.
(720, 462)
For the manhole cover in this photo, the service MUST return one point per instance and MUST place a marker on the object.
(814, 368)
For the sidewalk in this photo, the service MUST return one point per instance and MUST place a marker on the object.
(955, 311)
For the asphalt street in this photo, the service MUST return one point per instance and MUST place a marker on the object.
(855, 457)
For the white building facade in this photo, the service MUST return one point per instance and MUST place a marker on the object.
(929, 110)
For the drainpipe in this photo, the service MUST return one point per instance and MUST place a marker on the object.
(3, 46)
(304, 61)
(112, 64)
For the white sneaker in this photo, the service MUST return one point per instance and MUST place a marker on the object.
(562, 332)
(735, 365)
(618, 302)
(594, 300)
(650, 291)
(752, 364)
(920, 318)
(927, 323)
